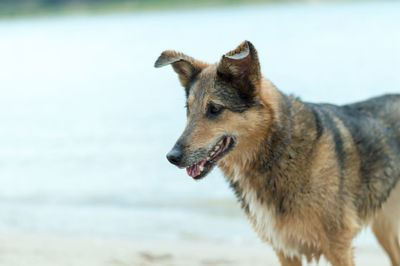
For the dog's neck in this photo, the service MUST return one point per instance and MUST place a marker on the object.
(275, 163)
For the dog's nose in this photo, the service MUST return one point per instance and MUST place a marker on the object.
(175, 156)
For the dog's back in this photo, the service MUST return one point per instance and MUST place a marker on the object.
(386, 109)
(373, 127)
(383, 148)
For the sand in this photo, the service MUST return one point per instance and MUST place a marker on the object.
(61, 250)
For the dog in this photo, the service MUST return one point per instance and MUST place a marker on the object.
(308, 176)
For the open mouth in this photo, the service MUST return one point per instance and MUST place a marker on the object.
(202, 168)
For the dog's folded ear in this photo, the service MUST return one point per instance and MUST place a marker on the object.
(185, 66)
(241, 67)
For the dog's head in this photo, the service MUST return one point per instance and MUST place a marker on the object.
(224, 108)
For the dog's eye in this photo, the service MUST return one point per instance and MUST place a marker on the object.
(214, 109)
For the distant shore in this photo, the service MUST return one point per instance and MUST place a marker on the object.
(47, 250)
(39, 9)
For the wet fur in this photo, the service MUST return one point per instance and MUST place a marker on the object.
(309, 176)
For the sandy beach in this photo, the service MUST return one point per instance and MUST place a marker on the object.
(20, 249)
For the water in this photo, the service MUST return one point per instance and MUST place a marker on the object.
(86, 121)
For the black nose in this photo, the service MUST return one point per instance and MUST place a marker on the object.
(175, 156)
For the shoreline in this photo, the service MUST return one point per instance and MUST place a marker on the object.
(21, 11)
(38, 249)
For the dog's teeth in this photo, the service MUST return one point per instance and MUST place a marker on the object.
(201, 168)
(212, 153)
(217, 147)
(208, 158)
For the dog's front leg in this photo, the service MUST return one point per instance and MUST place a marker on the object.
(285, 261)
(340, 255)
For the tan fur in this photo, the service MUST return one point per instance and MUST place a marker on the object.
(302, 232)
(229, 122)
(302, 187)
(386, 226)
(285, 261)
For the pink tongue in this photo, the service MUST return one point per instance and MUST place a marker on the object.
(194, 170)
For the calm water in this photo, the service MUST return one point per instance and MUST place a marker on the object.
(86, 121)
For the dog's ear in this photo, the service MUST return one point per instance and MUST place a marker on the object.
(241, 68)
(186, 67)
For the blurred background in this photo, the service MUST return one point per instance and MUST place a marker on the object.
(86, 121)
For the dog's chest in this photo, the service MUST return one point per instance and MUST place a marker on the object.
(264, 220)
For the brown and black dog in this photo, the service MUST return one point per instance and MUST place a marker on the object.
(309, 176)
